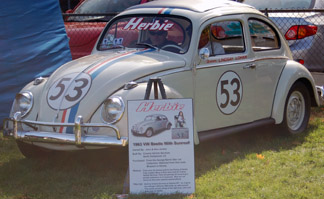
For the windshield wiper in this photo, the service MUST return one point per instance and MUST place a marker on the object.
(117, 46)
(147, 45)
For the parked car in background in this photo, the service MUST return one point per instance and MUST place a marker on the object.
(68, 4)
(304, 31)
(226, 56)
(84, 31)
(151, 125)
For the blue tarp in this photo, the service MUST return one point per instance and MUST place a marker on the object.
(33, 43)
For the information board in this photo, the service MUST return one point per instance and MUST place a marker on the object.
(161, 146)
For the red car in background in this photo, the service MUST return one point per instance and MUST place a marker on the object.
(84, 29)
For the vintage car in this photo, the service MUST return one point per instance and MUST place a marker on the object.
(151, 125)
(227, 56)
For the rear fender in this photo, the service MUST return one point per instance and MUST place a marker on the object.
(292, 73)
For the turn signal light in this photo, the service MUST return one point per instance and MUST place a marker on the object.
(300, 32)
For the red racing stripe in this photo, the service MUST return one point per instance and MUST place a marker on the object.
(98, 65)
(63, 120)
(161, 11)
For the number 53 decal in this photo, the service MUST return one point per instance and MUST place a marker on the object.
(229, 92)
(68, 90)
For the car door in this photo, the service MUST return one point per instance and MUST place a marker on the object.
(159, 123)
(269, 60)
(164, 122)
(225, 81)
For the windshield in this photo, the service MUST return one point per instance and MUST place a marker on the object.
(101, 6)
(280, 4)
(168, 33)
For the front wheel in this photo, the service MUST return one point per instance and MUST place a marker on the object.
(297, 109)
(149, 132)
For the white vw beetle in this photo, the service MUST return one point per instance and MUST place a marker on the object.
(228, 57)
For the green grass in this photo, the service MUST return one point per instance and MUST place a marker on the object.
(256, 164)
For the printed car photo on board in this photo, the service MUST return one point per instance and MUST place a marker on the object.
(253, 82)
(151, 125)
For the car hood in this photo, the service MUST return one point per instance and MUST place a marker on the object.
(102, 74)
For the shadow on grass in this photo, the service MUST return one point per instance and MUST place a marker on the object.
(212, 154)
(94, 174)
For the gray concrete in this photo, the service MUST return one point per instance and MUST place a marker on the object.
(319, 78)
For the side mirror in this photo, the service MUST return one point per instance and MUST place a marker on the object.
(204, 53)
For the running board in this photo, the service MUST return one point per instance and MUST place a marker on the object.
(212, 134)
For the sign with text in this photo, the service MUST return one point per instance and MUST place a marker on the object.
(161, 146)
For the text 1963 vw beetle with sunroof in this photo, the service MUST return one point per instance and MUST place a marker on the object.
(228, 57)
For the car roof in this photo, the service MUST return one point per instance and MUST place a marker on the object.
(192, 5)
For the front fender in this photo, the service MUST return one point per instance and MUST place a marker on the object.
(36, 90)
(292, 72)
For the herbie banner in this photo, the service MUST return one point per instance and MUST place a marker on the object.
(161, 146)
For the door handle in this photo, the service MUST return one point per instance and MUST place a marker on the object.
(249, 66)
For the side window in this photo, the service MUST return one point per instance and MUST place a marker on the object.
(224, 37)
(263, 36)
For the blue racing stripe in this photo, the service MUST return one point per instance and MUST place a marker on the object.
(73, 112)
(97, 72)
(168, 11)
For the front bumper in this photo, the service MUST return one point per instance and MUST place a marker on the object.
(78, 138)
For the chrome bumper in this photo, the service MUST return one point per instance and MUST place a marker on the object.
(320, 90)
(78, 138)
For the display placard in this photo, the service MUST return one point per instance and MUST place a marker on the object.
(161, 146)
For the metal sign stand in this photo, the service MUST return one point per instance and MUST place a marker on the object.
(157, 82)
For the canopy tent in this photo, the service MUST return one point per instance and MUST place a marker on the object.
(33, 43)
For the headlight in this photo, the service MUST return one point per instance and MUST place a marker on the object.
(23, 103)
(112, 110)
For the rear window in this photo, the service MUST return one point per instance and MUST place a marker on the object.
(101, 7)
(105, 6)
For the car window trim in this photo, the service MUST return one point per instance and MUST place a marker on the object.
(272, 28)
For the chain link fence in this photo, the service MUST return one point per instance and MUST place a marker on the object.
(311, 48)
(84, 29)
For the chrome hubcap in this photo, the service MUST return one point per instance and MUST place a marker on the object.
(295, 110)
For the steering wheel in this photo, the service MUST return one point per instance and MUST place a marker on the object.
(172, 46)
